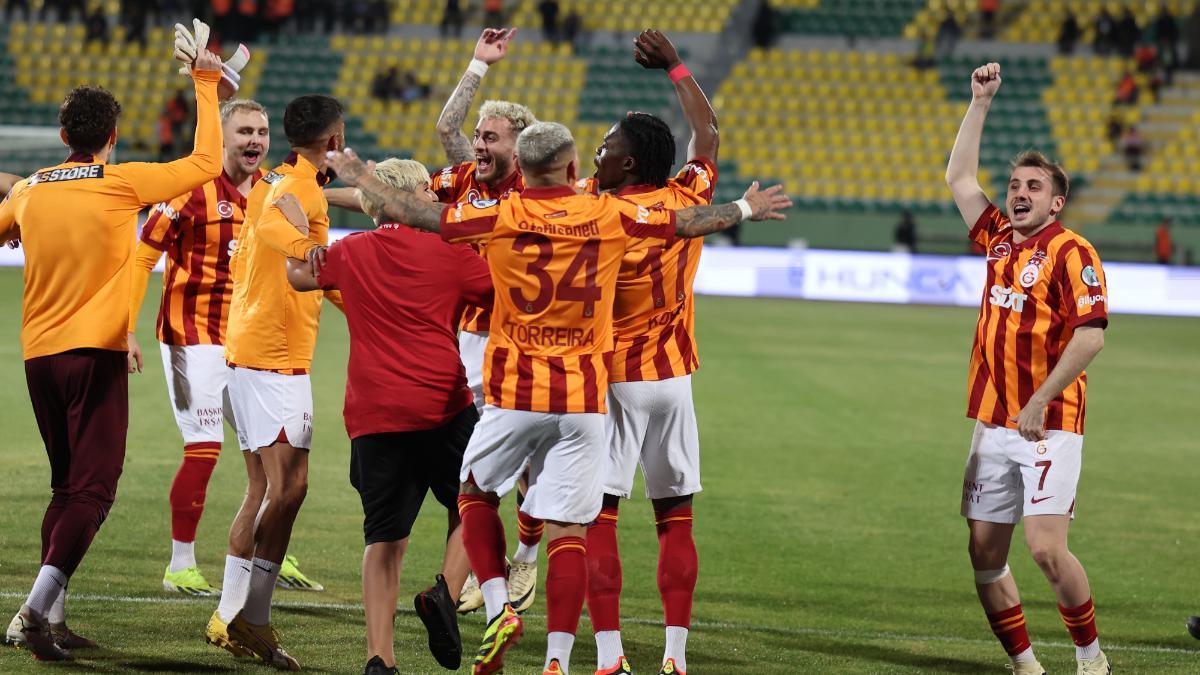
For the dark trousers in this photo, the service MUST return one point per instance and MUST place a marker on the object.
(81, 402)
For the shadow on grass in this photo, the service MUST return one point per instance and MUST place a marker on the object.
(862, 651)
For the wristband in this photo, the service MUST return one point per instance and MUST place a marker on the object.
(745, 207)
(478, 67)
(678, 73)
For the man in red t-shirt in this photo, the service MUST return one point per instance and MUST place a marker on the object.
(408, 409)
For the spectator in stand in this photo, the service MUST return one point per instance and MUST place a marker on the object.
(166, 138)
(134, 18)
(765, 27)
(1126, 33)
(948, 33)
(386, 84)
(1105, 29)
(572, 28)
(452, 19)
(493, 13)
(1164, 248)
(274, 14)
(178, 112)
(1133, 146)
(97, 27)
(1166, 36)
(1115, 127)
(926, 52)
(906, 233)
(10, 5)
(987, 16)
(549, 11)
(1068, 35)
(412, 90)
(1127, 90)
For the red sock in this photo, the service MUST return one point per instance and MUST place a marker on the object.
(566, 583)
(1010, 630)
(529, 529)
(190, 487)
(1081, 622)
(604, 572)
(677, 564)
(483, 536)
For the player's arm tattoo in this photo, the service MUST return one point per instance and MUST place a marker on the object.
(401, 205)
(697, 221)
(449, 125)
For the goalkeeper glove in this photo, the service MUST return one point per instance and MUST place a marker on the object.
(187, 46)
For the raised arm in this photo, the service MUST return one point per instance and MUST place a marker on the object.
(492, 46)
(962, 172)
(654, 50)
(401, 205)
(698, 221)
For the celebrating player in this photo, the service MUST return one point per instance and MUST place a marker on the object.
(77, 221)
(197, 230)
(269, 346)
(554, 257)
(408, 409)
(651, 420)
(1041, 322)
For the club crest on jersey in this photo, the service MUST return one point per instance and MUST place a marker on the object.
(1029, 275)
(224, 209)
(474, 195)
(62, 175)
(484, 203)
(1089, 276)
(1000, 251)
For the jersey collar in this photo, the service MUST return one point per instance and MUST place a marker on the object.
(639, 189)
(1045, 234)
(305, 167)
(81, 158)
(515, 182)
(552, 192)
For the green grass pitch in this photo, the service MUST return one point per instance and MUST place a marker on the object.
(828, 530)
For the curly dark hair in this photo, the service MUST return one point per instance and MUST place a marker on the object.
(307, 117)
(89, 116)
(652, 146)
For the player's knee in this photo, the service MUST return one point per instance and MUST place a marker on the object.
(468, 487)
(662, 506)
(1049, 557)
(986, 556)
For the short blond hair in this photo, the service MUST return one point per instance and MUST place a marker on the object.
(228, 108)
(542, 146)
(518, 116)
(402, 174)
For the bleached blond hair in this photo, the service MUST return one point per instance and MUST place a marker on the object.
(518, 116)
(542, 144)
(228, 108)
(403, 174)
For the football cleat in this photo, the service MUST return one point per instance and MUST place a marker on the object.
(471, 597)
(1193, 626)
(669, 668)
(1096, 666)
(1026, 668)
(555, 668)
(263, 641)
(67, 639)
(436, 610)
(216, 633)
(502, 633)
(291, 577)
(376, 666)
(522, 584)
(34, 634)
(188, 581)
(622, 668)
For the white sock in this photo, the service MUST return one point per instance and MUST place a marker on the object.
(234, 587)
(47, 587)
(525, 553)
(608, 648)
(1025, 656)
(495, 596)
(257, 609)
(1089, 652)
(58, 610)
(558, 646)
(676, 646)
(183, 555)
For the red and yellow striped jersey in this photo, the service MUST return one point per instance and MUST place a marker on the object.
(554, 257)
(1037, 293)
(197, 231)
(458, 183)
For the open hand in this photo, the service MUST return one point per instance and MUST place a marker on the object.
(493, 44)
(767, 204)
(348, 167)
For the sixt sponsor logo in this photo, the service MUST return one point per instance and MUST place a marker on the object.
(1007, 298)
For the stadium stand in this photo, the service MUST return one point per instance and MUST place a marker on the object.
(600, 15)
(1041, 22)
(857, 18)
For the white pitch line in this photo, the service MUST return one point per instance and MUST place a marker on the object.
(719, 625)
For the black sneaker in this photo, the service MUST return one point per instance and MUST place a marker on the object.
(436, 609)
(1193, 626)
(376, 667)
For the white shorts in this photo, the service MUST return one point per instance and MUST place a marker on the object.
(1008, 477)
(196, 383)
(266, 402)
(564, 453)
(652, 424)
(470, 349)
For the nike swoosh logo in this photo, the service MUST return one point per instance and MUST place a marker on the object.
(265, 569)
(1037, 500)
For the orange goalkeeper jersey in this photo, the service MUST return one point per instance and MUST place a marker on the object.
(554, 256)
(78, 225)
(458, 183)
(271, 325)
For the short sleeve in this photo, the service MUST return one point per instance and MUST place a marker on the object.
(1083, 289)
(165, 222)
(476, 278)
(644, 226)
(700, 176)
(335, 262)
(446, 184)
(990, 224)
(469, 222)
(8, 217)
